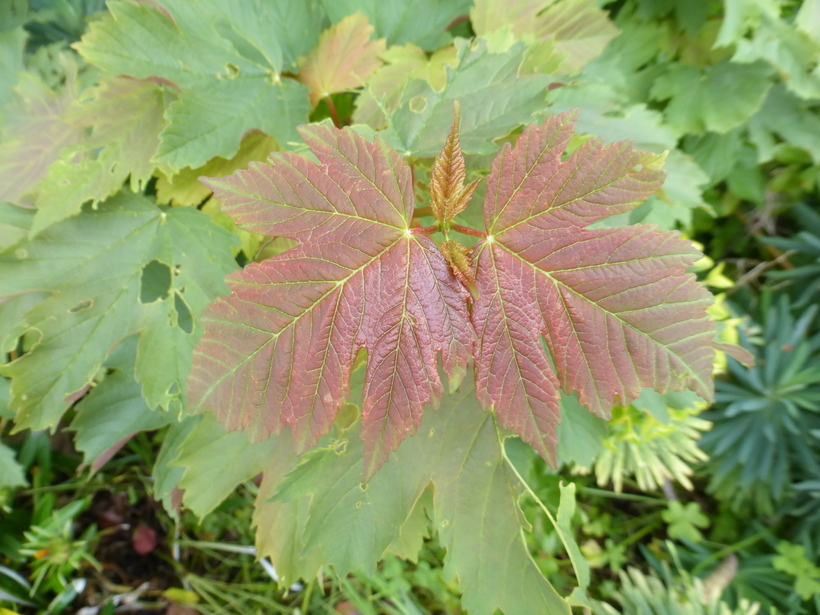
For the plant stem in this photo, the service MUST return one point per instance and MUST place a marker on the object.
(425, 230)
(730, 549)
(466, 230)
(421, 212)
(622, 496)
(641, 533)
(566, 540)
(332, 106)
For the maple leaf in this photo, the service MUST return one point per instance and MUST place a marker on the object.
(124, 118)
(615, 306)
(495, 99)
(401, 64)
(344, 58)
(114, 410)
(97, 298)
(579, 29)
(280, 349)
(225, 57)
(423, 22)
(459, 455)
(35, 133)
(716, 98)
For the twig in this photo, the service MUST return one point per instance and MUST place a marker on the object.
(758, 270)
(332, 106)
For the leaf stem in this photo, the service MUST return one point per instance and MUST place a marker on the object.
(728, 550)
(332, 106)
(425, 230)
(567, 540)
(466, 230)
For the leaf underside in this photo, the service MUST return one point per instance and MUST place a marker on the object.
(280, 349)
(559, 307)
(616, 308)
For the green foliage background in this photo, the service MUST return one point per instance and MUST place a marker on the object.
(111, 249)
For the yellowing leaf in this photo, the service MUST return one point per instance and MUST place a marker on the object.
(123, 118)
(344, 58)
(35, 133)
(579, 28)
(184, 188)
(402, 63)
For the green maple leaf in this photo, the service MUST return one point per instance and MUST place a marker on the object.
(792, 52)
(280, 526)
(579, 29)
(421, 22)
(580, 433)
(459, 450)
(495, 99)
(12, 43)
(716, 98)
(114, 410)
(124, 118)
(166, 475)
(785, 117)
(226, 58)
(402, 63)
(740, 16)
(95, 301)
(216, 462)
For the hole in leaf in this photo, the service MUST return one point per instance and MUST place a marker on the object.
(418, 104)
(185, 319)
(173, 389)
(82, 306)
(155, 282)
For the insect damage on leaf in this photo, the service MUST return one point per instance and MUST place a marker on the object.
(280, 349)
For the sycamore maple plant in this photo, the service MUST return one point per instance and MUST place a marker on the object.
(616, 307)
(372, 309)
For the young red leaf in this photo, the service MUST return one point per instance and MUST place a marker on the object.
(280, 349)
(448, 194)
(458, 258)
(616, 307)
(344, 58)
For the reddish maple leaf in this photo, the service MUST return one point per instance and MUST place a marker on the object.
(279, 350)
(343, 60)
(615, 306)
